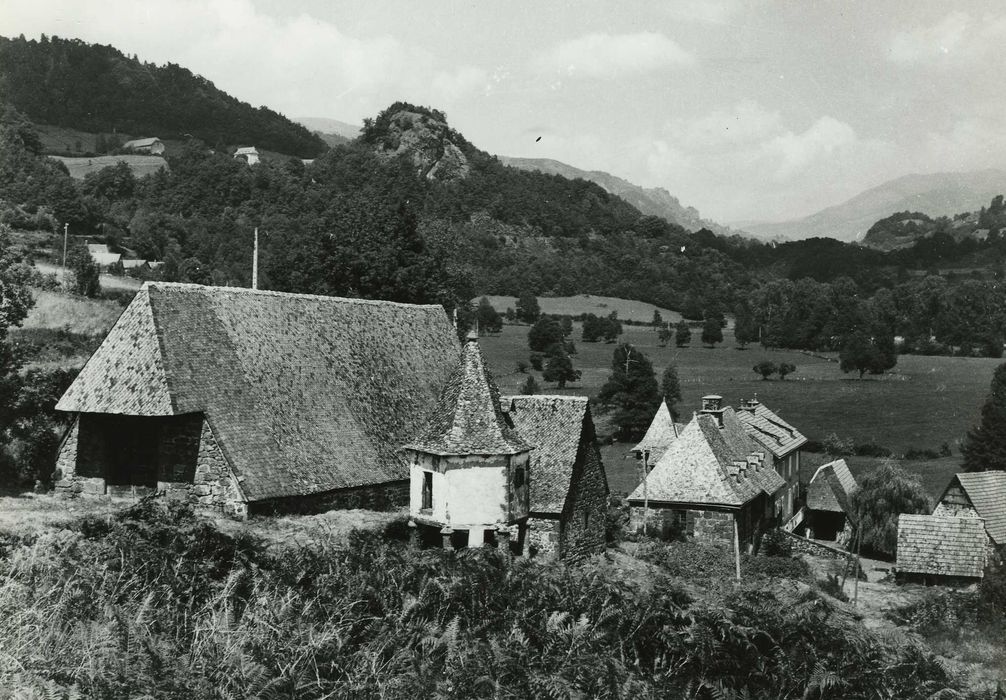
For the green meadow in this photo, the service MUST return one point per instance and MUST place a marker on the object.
(923, 403)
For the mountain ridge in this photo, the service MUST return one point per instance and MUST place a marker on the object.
(933, 194)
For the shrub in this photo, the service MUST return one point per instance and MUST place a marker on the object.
(871, 450)
(775, 567)
(536, 359)
(832, 585)
(775, 543)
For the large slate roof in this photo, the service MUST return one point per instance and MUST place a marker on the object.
(930, 544)
(555, 425)
(468, 418)
(700, 466)
(831, 487)
(659, 436)
(305, 393)
(778, 436)
(987, 493)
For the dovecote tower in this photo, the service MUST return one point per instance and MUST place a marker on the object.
(468, 469)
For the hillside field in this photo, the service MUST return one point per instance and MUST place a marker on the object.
(628, 310)
(140, 165)
(923, 403)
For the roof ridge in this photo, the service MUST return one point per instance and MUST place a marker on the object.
(188, 286)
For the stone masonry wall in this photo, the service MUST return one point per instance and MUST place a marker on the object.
(389, 496)
(713, 526)
(583, 527)
(543, 536)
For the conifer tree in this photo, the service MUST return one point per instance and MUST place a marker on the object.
(985, 445)
(632, 392)
(682, 334)
(670, 387)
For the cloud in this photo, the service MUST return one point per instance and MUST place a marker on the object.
(795, 152)
(958, 38)
(609, 56)
(298, 64)
(745, 122)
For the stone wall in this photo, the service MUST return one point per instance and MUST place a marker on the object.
(392, 495)
(713, 526)
(543, 533)
(802, 545)
(583, 519)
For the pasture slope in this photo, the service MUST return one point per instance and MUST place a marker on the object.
(628, 310)
(923, 403)
(140, 165)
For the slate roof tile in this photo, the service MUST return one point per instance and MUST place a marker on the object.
(778, 436)
(987, 493)
(831, 487)
(659, 436)
(555, 426)
(930, 544)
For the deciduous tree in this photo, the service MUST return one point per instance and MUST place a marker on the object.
(712, 332)
(527, 309)
(670, 387)
(765, 368)
(682, 333)
(883, 494)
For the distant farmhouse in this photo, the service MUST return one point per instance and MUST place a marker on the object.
(713, 483)
(250, 402)
(248, 154)
(152, 145)
(101, 256)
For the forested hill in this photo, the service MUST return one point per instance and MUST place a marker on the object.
(94, 88)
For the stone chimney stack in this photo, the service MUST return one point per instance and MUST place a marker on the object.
(712, 404)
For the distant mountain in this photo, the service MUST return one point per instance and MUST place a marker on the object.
(654, 201)
(936, 194)
(98, 89)
(326, 126)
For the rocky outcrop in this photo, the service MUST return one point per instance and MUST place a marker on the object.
(428, 142)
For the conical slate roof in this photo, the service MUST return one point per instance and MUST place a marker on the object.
(659, 436)
(468, 419)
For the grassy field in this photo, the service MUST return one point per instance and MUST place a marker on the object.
(923, 403)
(72, 314)
(140, 165)
(107, 281)
(627, 309)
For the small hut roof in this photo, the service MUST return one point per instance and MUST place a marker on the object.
(831, 487)
(141, 143)
(930, 544)
(467, 418)
(987, 493)
(557, 426)
(659, 436)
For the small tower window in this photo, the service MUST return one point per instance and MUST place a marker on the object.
(427, 490)
(518, 477)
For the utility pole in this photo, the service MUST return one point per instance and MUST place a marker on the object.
(646, 493)
(255, 262)
(66, 233)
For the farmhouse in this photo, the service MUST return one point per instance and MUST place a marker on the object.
(782, 440)
(137, 265)
(152, 145)
(248, 154)
(934, 549)
(713, 483)
(569, 489)
(978, 495)
(255, 401)
(828, 502)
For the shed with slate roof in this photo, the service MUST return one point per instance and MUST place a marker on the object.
(978, 495)
(782, 440)
(569, 489)
(253, 400)
(713, 483)
(935, 549)
(828, 502)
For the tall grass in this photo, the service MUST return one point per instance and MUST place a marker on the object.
(158, 603)
(76, 315)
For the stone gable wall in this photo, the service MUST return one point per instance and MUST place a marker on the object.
(583, 519)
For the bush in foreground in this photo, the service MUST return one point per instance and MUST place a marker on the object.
(159, 603)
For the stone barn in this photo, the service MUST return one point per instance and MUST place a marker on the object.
(829, 503)
(569, 489)
(978, 495)
(713, 483)
(255, 401)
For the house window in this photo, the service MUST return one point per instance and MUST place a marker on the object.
(518, 477)
(586, 519)
(427, 490)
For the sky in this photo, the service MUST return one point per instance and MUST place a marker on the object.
(749, 110)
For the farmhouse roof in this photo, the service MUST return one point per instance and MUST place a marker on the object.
(987, 493)
(130, 264)
(703, 466)
(831, 487)
(94, 248)
(930, 544)
(246, 151)
(106, 258)
(557, 426)
(141, 143)
(305, 393)
(659, 436)
(779, 437)
(468, 419)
